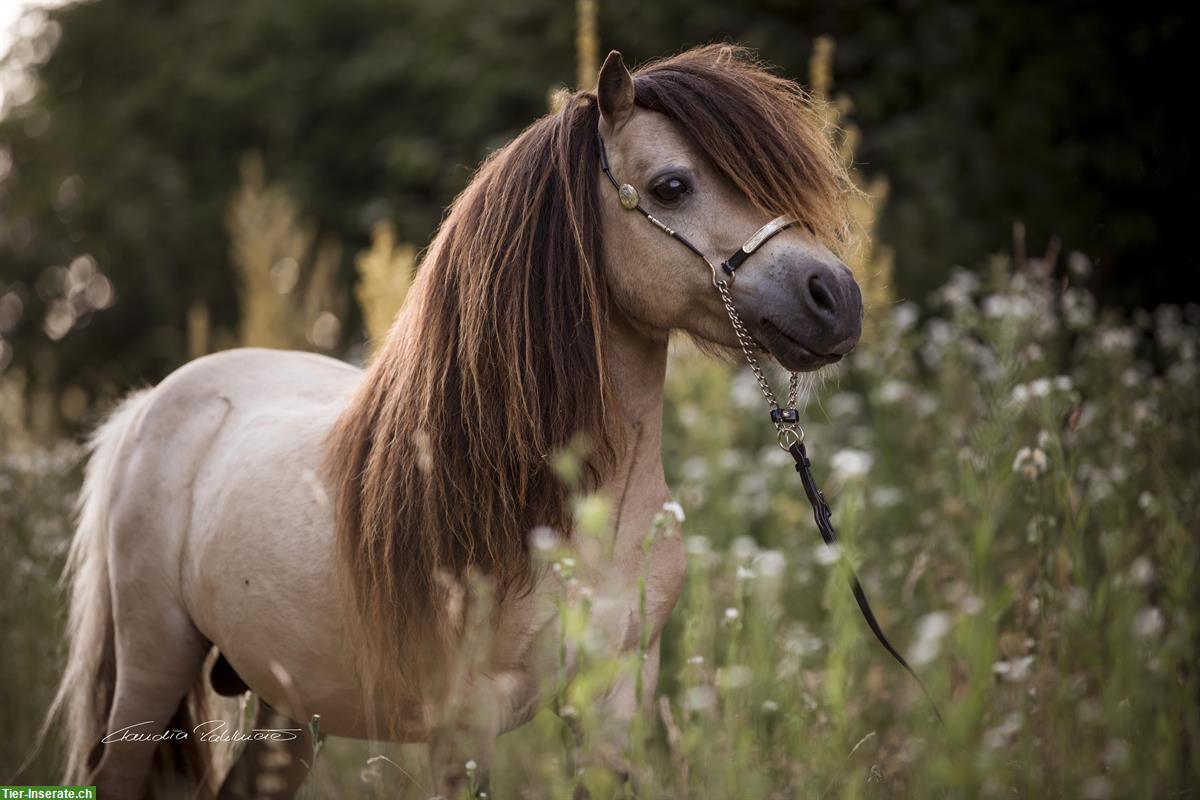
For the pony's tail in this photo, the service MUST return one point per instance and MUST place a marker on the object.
(85, 692)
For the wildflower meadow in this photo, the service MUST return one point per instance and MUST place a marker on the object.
(1014, 476)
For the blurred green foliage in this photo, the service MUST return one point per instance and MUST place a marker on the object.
(366, 110)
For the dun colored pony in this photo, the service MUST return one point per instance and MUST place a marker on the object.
(320, 527)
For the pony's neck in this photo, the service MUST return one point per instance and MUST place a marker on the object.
(637, 363)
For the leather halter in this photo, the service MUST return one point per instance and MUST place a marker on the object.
(631, 201)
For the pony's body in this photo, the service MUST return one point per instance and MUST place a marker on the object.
(322, 526)
(234, 443)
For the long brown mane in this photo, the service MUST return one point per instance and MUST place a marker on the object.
(441, 463)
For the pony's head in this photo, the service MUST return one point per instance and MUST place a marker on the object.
(442, 463)
(714, 147)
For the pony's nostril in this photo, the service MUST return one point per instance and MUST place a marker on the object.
(818, 290)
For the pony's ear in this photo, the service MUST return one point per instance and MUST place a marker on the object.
(614, 89)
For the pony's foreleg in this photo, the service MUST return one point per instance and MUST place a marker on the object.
(159, 655)
(270, 769)
(607, 745)
(460, 759)
(461, 747)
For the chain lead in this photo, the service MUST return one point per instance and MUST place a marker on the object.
(788, 432)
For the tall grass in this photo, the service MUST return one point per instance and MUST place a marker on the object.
(1016, 479)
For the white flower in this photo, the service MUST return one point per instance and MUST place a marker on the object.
(998, 737)
(543, 538)
(1141, 571)
(844, 404)
(828, 554)
(851, 463)
(769, 706)
(1040, 387)
(892, 391)
(1113, 340)
(801, 642)
(1079, 264)
(673, 508)
(931, 628)
(885, 496)
(699, 698)
(905, 316)
(1030, 463)
(732, 614)
(1116, 753)
(1148, 623)
(1015, 670)
(471, 765)
(744, 548)
(696, 660)
(770, 563)
(744, 391)
(744, 573)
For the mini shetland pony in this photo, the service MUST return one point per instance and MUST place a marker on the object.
(318, 524)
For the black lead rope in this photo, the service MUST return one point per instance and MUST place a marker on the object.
(822, 515)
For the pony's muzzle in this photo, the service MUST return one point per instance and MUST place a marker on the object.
(813, 317)
(833, 302)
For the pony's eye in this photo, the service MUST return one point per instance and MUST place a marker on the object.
(670, 190)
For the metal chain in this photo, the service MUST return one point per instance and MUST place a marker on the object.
(787, 433)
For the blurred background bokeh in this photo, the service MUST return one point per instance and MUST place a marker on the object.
(1013, 453)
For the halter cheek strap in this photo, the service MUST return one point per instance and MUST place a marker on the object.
(631, 201)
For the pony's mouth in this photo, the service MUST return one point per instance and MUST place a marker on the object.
(789, 352)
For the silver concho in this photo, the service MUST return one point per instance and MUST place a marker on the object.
(629, 196)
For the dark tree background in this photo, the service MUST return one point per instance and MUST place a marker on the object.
(1065, 115)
